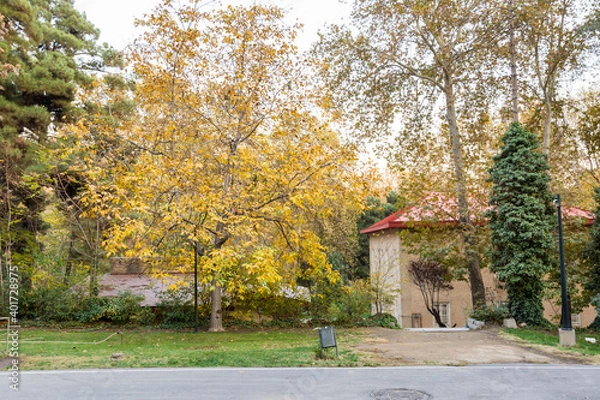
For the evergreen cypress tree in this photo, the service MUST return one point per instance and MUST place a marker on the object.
(592, 254)
(522, 223)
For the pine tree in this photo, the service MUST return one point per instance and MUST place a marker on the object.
(522, 223)
(592, 255)
(46, 39)
(52, 44)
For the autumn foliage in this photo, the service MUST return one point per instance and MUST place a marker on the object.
(229, 159)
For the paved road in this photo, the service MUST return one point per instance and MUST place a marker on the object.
(514, 382)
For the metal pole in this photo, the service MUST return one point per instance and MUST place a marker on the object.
(196, 287)
(566, 312)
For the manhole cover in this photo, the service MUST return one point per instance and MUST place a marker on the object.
(400, 394)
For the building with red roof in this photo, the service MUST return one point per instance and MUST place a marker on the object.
(389, 260)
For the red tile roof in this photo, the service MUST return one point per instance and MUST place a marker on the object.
(438, 209)
(151, 288)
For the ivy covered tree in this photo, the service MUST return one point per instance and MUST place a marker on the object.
(592, 254)
(522, 223)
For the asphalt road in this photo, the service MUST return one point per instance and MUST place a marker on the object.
(514, 382)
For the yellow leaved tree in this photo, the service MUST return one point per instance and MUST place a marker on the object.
(232, 160)
(81, 163)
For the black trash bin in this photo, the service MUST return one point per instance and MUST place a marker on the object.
(327, 339)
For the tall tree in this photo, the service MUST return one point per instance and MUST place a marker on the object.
(230, 158)
(400, 56)
(45, 39)
(80, 165)
(522, 223)
(5, 68)
(587, 133)
(513, 63)
(555, 37)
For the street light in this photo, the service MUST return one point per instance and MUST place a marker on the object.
(566, 333)
(196, 322)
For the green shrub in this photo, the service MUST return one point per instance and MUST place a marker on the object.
(176, 307)
(353, 305)
(346, 305)
(62, 304)
(91, 309)
(490, 314)
(383, 320)
(322, 296)
(125, 308)
(281, 309)
(49, 304)
(595, 325)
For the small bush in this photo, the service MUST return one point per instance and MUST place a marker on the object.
(126, 308)
(61, 304)
(91, 309)
(322, 295)
(490, 314)
(384, 320)
(284, 311)
(353, 305)
(176, 307)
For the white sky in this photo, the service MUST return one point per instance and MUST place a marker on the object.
(115, 18)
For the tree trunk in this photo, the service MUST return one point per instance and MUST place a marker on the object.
(94, 289)
(220, 238)
(5, 277)
(216, 318)
(216, 296)
(71, 257)
(513, 66)
(436, 315)
(547, 124)
(475, 278)
(548, 103)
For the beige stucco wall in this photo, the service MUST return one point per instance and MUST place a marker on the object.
(386, 252)
(552, 312)
(459, 299)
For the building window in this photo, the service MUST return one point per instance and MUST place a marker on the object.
(416, 321)
(444, 309)
(576, 320)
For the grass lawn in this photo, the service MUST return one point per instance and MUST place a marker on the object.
(550, 338)
(75, 349)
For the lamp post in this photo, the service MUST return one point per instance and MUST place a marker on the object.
(195, 244)
(566, 332)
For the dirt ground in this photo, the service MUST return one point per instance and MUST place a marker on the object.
(486, 346)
